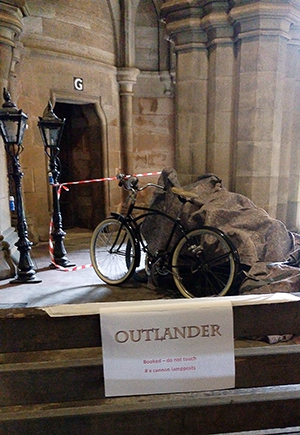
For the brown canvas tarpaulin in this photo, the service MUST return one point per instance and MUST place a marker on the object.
(259, 239)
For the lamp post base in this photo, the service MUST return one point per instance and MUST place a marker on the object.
(59, 250)
(25, 270)
(62, 262)
(26, 278)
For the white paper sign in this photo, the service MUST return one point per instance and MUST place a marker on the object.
(161, 347)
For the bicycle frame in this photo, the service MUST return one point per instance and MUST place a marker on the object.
(133, 223)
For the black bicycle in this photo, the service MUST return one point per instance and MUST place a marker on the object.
(203, 261)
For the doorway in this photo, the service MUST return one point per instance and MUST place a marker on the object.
(81, 159)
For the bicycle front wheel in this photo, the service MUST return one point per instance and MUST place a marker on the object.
(204, 263)
(111, 259)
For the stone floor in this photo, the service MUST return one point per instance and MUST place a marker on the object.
(80, 286)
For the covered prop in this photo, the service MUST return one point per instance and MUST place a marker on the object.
(269, 253)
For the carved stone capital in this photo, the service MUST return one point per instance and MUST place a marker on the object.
(197, 24)
(264, 17)
(183, 22)
(11, 14)
(218, 26)
(127, 78)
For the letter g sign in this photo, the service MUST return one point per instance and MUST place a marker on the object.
(78, 84)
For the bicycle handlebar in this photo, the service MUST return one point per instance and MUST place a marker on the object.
(130, 182)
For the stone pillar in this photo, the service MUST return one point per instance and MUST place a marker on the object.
(289, 169)
(11, 13)
(263, 32)
(290, 172)
(183, 27)
(220, 45)
(127, 78)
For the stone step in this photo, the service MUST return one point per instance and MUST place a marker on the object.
(51, 380)
(29, 378)
(180, 414)
(42, 332)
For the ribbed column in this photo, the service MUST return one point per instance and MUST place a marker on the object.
(289, 198)
(263, 33)
(127, 78)
(221, 80)
(183, 27)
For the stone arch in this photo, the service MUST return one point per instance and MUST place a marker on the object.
(151, 49)
(115, 14)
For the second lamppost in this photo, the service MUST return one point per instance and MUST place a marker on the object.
(51, 128)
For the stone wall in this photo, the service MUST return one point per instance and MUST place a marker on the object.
(62, 41)
(153, 124)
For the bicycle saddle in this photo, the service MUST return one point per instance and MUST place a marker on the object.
(184, 193)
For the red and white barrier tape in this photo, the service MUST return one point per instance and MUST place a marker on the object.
(96, 180)
(63, 185)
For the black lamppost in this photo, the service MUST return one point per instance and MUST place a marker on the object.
(51, 128)
(12, 126)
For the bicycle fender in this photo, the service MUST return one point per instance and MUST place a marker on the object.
(118, 216)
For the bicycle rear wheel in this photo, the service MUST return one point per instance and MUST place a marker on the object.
(204, 263)
(113, 262)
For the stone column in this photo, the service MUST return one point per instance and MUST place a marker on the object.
(262, 32)
(183, 27)
(290, 163)
(220, 45)
(11, 13)
(127, 78)
(289, 168)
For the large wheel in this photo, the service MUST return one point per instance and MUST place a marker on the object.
(204, 263)
(111, 259)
